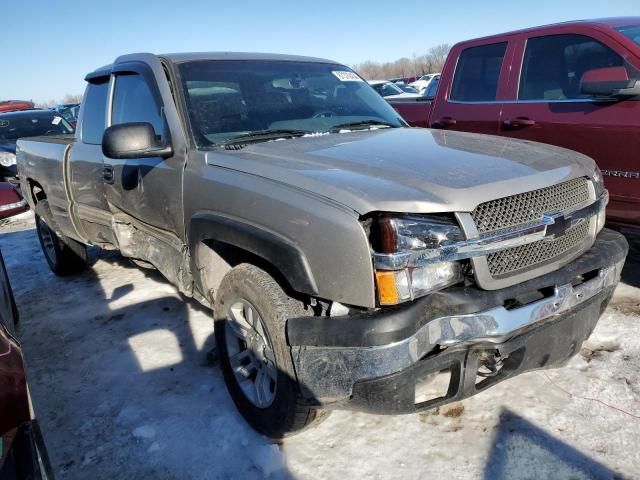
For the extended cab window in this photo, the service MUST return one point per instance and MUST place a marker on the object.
(133, 101)
(553, 66)
(477, 73)
(95, 106)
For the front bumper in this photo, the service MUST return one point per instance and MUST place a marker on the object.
(376, 362)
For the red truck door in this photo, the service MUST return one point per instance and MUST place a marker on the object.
(549, 104)
(470, 99)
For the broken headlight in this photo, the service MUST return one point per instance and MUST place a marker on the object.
(402, 245)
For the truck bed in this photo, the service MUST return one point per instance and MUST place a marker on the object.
(42, 160)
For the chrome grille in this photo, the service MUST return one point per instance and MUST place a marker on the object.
(510, 261)
(509, 212)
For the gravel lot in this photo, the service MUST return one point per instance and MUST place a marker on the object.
(121, 383)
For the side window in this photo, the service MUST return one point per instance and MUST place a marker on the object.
(95, 106)
(477, 73)
(553, 66)
(431, 90)
(133, 101)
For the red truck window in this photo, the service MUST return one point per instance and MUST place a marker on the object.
(553, 66)
(477, 73)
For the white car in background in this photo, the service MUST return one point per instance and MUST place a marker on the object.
(390, 90)
(424, 81)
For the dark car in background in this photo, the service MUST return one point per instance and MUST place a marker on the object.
(26, 123)
(23, 455)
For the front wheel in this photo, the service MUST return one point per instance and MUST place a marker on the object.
(250, 312)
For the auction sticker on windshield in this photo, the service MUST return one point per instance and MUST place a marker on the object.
(344, 76)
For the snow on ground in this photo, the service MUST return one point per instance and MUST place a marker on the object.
(121, 383)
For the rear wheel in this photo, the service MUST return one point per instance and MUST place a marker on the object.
(250, 312)
(64, 255)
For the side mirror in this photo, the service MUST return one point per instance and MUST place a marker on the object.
(133, 140)
(608, 82)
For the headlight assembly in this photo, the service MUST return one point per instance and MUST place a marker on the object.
(402, 245)
(7, 159)
(598, 182)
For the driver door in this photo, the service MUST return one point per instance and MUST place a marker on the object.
(147, 189)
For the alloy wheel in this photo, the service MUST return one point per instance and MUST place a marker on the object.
(250, 354)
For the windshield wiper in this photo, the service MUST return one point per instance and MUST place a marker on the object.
(260, 135)
(362, 123)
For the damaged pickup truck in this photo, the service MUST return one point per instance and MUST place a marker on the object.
(351, 262)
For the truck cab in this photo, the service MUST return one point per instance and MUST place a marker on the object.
(572, 85)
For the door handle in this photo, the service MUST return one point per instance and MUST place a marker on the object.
(107, 173)
(447, 122)
(519, 122)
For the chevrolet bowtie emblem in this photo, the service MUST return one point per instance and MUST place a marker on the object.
(558, 225)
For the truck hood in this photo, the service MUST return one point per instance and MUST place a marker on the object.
(407, 169)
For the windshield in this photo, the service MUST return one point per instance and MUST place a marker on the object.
(233, 98)
(17, 125)
(631, 31)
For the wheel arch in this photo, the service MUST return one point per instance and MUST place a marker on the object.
(35, 192)
(217, 243)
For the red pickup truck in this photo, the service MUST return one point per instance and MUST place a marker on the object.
(574, 84)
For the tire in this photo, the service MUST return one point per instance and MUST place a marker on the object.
(284, 413)
(64, 255)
